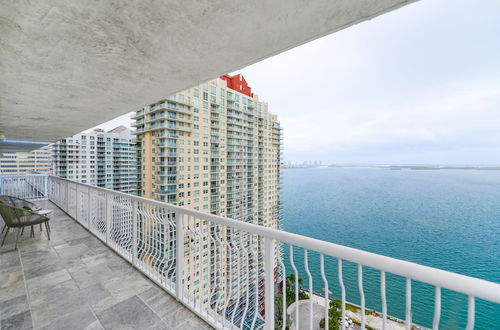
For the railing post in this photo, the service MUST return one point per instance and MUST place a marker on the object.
(46, 186)
(66, 184)
(135, 205)
(269, 282)
(89, 208)
(109, 215)
(179, 264)
(58, 192)
(77, 211)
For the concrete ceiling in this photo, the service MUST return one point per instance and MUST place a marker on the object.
(66, 66)
(20, 146)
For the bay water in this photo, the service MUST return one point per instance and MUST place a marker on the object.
(448, 219)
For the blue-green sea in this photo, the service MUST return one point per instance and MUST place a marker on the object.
(449, 219)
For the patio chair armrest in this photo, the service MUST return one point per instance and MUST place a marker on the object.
(28, 203)
(33, 217)
(32, 212)
(22, 212)
(20, 202)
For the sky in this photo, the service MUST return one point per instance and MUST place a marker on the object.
(419, 85)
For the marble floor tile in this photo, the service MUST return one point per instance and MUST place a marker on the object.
(159, 301)
(92, 242)
(177, 316)
(14, 306)
(21, 321)
(12, 286)
(95, 294)
(128, 314)
(9, 259)
(125, 286)
(38, 263)
(48, 280)
(195, 323)
(88, 276)
(50, 303)
(74, 281)
(81, 319)
(71, 252)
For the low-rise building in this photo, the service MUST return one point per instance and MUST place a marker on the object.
(37, 161)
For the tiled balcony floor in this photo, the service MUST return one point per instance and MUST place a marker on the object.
(74, 281)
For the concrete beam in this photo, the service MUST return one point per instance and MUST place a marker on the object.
(66, 66)
(20, 146)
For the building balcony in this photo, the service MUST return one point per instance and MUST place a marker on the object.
(76, 281)
(167, 154)
(138, 123)
(171, 107)
(113, 261)
(169, 116)
(168, 135)
(167, 144)
(137, 114)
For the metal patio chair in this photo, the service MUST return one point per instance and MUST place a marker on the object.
(19, 202)
(17, 217)
(22, 203)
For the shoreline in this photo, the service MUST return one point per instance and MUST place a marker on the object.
(404, 167)
(373, 321)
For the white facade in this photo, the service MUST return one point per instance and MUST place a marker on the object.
(15, 163)
(99, 158)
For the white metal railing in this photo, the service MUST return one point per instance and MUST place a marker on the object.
(225, 264)
(28, 186)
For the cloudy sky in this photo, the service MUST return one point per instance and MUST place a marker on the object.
(420, 85)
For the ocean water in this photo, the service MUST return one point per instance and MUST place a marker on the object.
(448, 219)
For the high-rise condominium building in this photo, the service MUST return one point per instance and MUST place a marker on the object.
(99, 158)
(38, 161)
(215, 148)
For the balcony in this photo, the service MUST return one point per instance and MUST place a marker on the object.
(138, 123)
(114, 259)
(172, 106)
(76, 281)
(138, 114)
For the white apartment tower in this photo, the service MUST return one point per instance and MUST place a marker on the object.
(99, 158)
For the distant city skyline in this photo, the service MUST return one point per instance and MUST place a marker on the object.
(420, 85)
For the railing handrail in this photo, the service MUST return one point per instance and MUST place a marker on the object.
(440, 278)
(104, 211)
(25, 175)
(31, 179)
